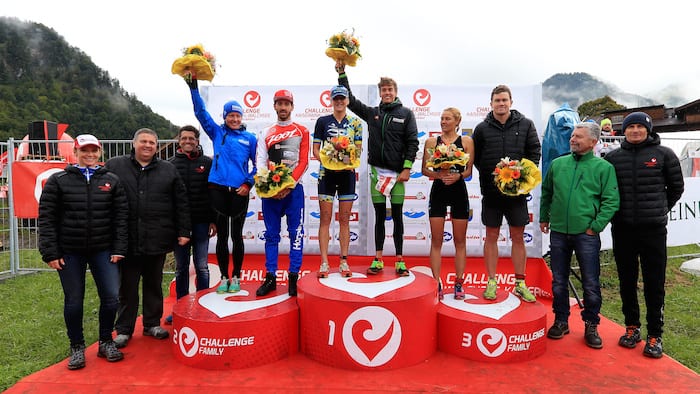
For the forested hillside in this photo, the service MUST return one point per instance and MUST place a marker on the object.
(43, 78)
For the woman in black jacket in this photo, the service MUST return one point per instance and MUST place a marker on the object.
(83, 214)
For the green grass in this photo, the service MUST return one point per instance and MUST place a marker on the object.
(31, 322)
(32, 326)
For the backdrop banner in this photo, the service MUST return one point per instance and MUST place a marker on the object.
(427, 103)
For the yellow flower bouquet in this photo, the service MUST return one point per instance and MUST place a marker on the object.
(445, 156)
(339, 154)
(515, 177)
(270, 181)
(345, 47)
(195, 62)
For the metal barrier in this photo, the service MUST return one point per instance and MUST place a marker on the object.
(19, 237)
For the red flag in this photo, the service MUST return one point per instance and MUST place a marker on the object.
(28, 180)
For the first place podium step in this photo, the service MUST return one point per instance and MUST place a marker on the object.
(379, 321)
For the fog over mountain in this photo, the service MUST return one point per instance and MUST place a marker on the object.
(578, 88)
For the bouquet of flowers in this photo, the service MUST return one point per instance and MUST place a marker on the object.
(514, 177)
(195, 62)
(339, 154)
(272, 180)
(345, 47)
(445, 156)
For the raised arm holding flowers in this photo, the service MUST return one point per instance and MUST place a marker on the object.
(195, 63)
(344, 47)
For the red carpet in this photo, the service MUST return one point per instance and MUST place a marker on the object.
(568, 365)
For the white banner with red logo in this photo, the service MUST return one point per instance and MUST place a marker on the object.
(28, 180)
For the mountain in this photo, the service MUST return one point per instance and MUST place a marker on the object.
(44, 78)
(577, 88)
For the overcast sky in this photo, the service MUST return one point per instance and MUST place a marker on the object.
(433, 42)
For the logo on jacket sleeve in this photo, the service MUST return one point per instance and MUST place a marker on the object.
(106, 187)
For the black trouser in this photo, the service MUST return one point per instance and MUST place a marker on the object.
(634, 247)
(229, 206)
(131, 270)
(379, 231)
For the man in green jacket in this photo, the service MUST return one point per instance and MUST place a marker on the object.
(579, 197)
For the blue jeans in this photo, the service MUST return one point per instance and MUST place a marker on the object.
(199, 246)
(587, 249)
(106, 276)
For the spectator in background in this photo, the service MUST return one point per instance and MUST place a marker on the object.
(194, 168)
(392, 148)
(651, 182)
(579, 197)
(340, 182)
(159, 218)
(504, 133)
(606, 144)
(230, 180)
(286, 143)
(606, 128)
(449, 189)
(83, 214)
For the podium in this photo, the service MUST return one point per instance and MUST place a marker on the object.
(365, 322)
(504, 330)
(369, 321)
(235, 330)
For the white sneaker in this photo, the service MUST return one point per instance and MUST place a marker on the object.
(345, 270)
(324, 270)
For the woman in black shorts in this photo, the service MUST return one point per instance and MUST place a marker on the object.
(449, 189)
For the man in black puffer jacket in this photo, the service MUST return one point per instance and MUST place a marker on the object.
(194, 168)
(392, 148)
(650, 181)
(159, 218)
(504, 133)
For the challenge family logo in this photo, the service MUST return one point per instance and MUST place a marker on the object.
(491, 342)
(421, 97)
(325, 99)
(190, 344)
(251, 99)
(379, 343)
(187, 341)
